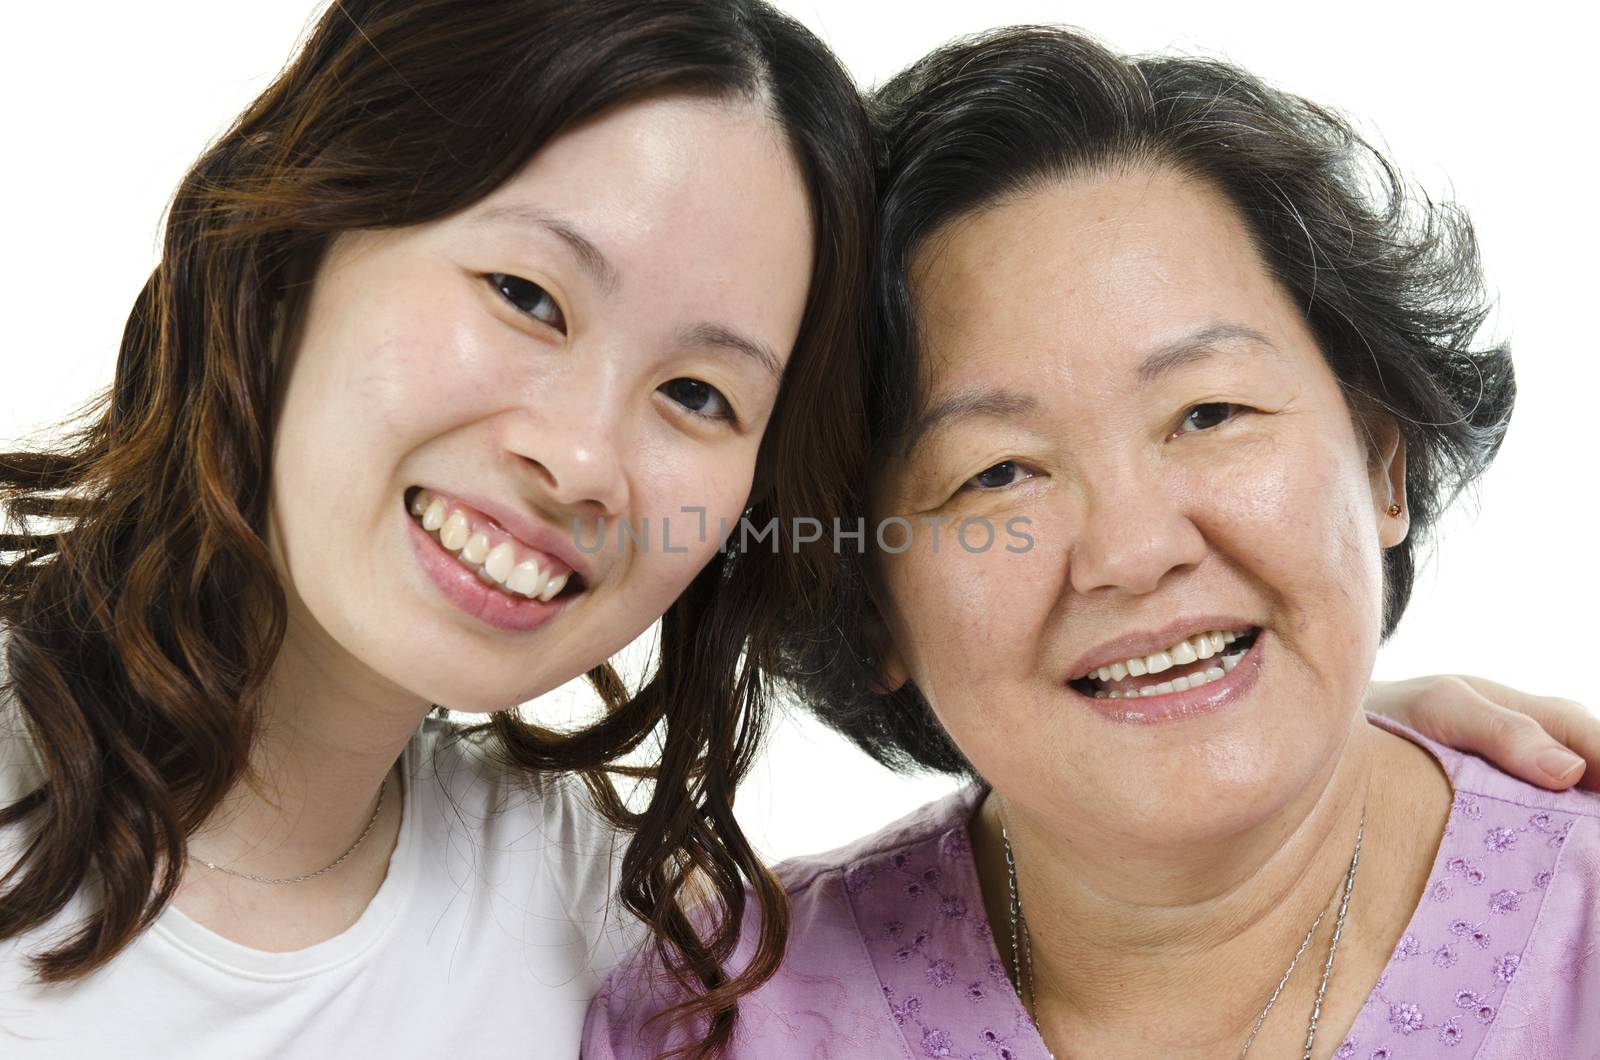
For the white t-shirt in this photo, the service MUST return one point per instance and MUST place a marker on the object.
(491, 931)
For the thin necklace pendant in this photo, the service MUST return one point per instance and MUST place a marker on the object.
(1028, 997)
(340, 860)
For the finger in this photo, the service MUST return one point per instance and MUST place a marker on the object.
(1566, 721)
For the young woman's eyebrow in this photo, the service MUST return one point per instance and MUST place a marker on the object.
(723, 337)
(589, 256)
(1196, 346)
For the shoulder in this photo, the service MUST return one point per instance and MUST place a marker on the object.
(467, 788)
(826, 994)
(1478, 783)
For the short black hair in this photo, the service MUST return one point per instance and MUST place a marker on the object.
(1389, 281)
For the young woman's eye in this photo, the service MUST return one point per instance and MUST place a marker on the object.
(1208, 415)
(702, 399)
(530, 298)
(1006, 473)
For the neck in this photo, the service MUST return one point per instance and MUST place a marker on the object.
(329, 734)
(1201, 933)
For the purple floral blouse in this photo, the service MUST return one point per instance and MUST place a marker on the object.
(891, 955)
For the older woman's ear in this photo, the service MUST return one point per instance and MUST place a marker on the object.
(889, 671)
(1388, 447)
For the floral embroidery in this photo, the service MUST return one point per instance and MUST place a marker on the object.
(934, 945)
(935, 1042)
(1406, 1018)
(1500, 840)
(1462, 869)
(1506, 901)
(1475, 908)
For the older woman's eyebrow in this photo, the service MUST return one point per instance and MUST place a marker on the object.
(589, 256)
(1196, 346)
(974, 403)
(724, 337)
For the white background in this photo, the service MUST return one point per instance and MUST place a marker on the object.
(104, 104)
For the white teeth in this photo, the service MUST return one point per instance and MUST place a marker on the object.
(553, 586)
(1200, 646)
(526, 579)
(495, 564)
(454, 533)
(499, 562)
(476, 550)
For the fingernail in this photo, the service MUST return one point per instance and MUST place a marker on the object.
(1559, 764)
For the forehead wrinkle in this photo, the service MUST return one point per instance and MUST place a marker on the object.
(1197, 346)
(973, 402)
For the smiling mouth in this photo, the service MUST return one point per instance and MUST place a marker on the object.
(1190, 663)
(483, 547)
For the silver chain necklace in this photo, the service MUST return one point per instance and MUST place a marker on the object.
(1022, 949)
(340, 860)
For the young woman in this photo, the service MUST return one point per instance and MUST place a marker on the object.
(465, 276)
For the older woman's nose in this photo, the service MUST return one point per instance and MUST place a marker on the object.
(1130, 538)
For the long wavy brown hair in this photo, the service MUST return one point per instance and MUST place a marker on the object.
(139, 606)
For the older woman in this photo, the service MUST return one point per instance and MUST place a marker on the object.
(1149, 313)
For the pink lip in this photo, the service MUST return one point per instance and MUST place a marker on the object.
(468, 592)
(1149, 642)
(1175, 706)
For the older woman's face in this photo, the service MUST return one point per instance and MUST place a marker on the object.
(1109, 360)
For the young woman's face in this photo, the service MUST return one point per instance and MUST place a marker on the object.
(1110, 360)
(474, 405)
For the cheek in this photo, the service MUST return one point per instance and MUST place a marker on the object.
(1295, 518)
(966, 621)
(690, 497)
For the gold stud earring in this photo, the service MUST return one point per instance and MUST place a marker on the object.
(1394, 510)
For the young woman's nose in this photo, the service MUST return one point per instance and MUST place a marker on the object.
(578, 450)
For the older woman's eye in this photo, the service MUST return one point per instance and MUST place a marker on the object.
(701, 399)
(1006, 473)
(1209, 415)
(530, 298)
